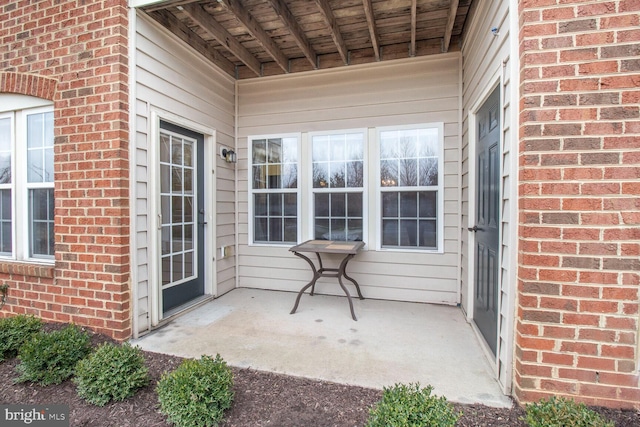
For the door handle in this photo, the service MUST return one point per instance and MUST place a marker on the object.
(474, 228)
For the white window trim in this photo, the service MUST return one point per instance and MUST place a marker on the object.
(19, 185)
(365, 184)
(251, 191)
(440, 202)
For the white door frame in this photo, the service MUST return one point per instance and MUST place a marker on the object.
(210, 282)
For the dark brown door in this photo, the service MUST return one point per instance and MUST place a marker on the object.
(487, 243)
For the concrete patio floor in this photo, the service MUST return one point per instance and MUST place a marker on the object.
(392, 342)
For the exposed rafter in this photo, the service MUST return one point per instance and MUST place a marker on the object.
(327, 12)
(257, 32)
(192, 39)
(217, 31)
(289, 20)
(414, 23)
(453, 11)
(373, 32)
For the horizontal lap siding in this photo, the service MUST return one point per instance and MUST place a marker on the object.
(423, 90)
(485, 58)
(169, 77)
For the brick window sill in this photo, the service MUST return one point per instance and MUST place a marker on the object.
(32, 269)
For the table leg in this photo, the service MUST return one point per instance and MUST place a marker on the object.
(311, 284)
(342, 272)
(355, 283)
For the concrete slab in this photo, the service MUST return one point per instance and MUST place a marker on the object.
(392, 342)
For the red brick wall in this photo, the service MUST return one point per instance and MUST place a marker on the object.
(579, 223)
(75, 54)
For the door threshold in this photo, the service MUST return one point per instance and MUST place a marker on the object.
(183, 309)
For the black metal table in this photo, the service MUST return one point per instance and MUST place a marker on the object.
(348, 249)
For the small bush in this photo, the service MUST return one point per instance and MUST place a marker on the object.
(15, 331)
(197, 393)
(411, 406)
(50, 358)
(561, 412)
(112, 372)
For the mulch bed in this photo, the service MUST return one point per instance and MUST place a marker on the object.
(261, 399)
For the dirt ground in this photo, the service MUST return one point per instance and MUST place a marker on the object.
(261, 399)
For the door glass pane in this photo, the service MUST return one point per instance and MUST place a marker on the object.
(166, 270)
(188, 264)
(5, 222)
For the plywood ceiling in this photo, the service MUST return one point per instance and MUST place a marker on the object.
(254, 38)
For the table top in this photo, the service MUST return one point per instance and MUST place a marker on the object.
(329, 247)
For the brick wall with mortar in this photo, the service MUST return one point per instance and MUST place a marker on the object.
(579, 190)
(74, 53)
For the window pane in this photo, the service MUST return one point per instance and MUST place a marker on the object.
(274, 178)
(165, 142)
(176, 150)
(165, 179)
(337, 147)
(354, 147)
(338, 229)
(408, 173)
(428, 172)
(428, 204)
(408, 232)
(338, 207)
(337, 171)
(41, 222)
(5, 151)
(274, 151)
(408, 205)
(389, 173)
(355, 174)
(354, 205)
(259, 152)
(291, 204)
(290, 176)
(390, 204)
(320, 175)
(355, 229)
(5, 222)
(321, 205)
(275, 204)
(322, 229)
(388, 145)
(290, 230)
(260, 177)
(389, 232)
(275, 229)
(290, 150)
(260, 230)
(428, 234)
(260, 204)
(320, 148)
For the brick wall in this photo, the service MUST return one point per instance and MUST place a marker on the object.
(75, 54)
(579, 224)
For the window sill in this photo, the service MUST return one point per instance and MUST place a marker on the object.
(32, 269)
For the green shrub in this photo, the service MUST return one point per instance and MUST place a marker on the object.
(112, 372)
(561, 412)
(15, 331)
(197, 393)
(411, 406)
(50, 358)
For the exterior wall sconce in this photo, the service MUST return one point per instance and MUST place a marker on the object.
(228, 155)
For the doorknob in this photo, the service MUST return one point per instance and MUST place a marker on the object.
(474, 228)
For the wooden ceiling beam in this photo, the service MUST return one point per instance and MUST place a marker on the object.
(217, 31)
(257, 32)
(327, 12)
(373, 32)
(414, 24)
(184, 33)
(453, 11)
(283, 12)
(167, 4)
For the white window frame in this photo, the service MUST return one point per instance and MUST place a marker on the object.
(439, 188)
(252, 191)
(311, 191)
(20, 187)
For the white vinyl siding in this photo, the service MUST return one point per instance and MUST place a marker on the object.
(171, 78)
(488, 60)
(398, 93)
